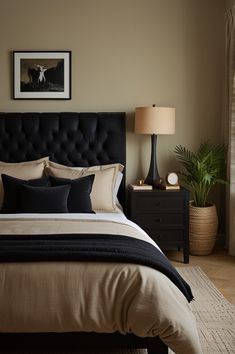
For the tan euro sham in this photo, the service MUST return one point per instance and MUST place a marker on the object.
(103, 190)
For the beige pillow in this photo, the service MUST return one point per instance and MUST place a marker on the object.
(66, 172)
(102, 194)
(91, 168)
(24, 170)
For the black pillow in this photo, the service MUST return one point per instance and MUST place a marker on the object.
(44, 199)
(79, 200)
(12, 191)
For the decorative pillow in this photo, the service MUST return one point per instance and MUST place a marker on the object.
(44, 199)
(102, 194)
(116, 188)
(117, 182)
(83, 169)
(12, 191)
(25, 170)
(79, 200)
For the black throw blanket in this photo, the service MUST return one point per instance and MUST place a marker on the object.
(89, 247)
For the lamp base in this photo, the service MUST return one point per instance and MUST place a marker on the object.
(153, 177)
(156, 183)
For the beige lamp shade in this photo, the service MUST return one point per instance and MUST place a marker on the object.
(155, 120)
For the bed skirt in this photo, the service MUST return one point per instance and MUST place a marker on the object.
(79, 340)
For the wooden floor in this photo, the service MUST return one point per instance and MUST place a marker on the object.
(219, 267)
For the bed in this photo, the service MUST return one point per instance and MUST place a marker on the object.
(72, 318)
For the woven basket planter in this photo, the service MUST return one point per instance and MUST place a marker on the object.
(203, 226)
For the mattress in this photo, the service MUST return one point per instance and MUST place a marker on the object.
(103, 297)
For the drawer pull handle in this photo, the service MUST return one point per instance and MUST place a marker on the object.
(158, 220)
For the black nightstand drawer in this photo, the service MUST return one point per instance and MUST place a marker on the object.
(163, 214)
(165, 236)
(153, 220)
(152, 202)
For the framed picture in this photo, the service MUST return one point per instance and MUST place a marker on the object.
(42, 75)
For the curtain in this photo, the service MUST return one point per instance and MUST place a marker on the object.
(229, 124)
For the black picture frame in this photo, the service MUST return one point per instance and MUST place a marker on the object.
(42, 75)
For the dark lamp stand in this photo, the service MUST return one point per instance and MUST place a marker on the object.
(153, 177)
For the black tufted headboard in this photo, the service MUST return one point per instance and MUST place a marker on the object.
(73, 139)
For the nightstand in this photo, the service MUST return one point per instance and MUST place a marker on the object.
(164, 215)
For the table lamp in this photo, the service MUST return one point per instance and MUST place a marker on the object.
(154, 120)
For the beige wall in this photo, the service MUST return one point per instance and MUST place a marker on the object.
(230, 3)
(127, 53)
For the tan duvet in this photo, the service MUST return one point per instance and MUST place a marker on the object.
(85, 296)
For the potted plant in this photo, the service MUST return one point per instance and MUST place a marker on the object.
(202, 170)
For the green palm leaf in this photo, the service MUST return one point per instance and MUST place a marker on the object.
(203, 169)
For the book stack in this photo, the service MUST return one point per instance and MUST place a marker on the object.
(141, 186)
(169, 186)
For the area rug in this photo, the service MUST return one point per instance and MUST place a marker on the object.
(214, 314)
